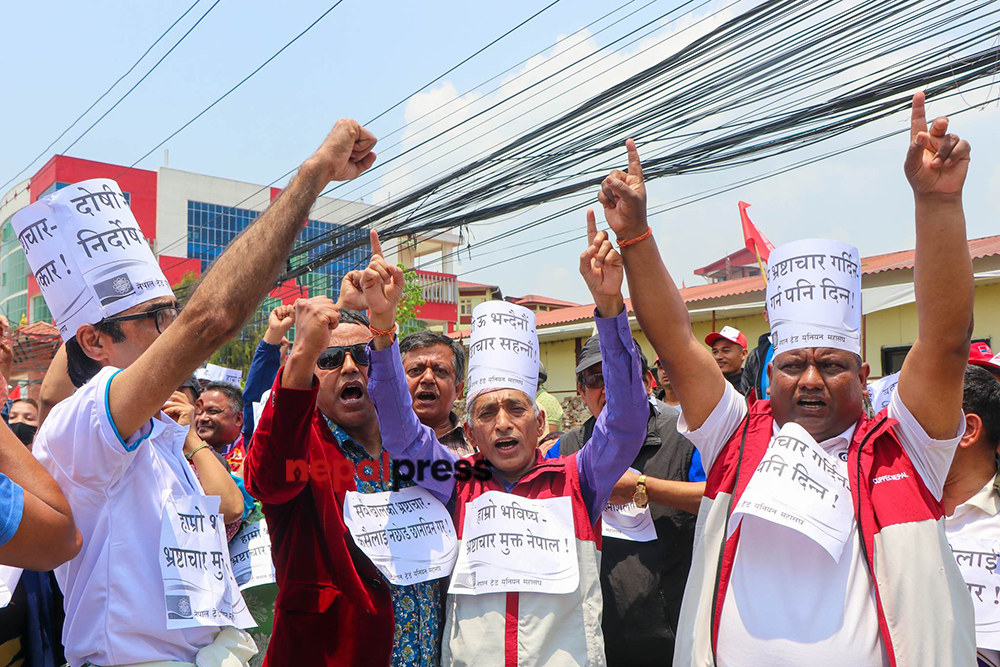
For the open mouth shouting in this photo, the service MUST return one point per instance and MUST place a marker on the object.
(425, 398)
(352, 393)
(505, 446)
(811, 404)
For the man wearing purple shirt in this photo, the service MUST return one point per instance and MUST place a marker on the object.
(510, 627)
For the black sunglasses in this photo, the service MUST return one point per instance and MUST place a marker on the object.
(333, 356)
(163, 317)
(592, 380)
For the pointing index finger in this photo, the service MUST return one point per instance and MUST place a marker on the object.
(591, 226)
(376, 246)
(918, 116)
(634, 166)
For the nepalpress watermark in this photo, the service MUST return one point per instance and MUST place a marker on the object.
(343, 472)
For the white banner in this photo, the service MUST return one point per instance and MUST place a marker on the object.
(510, 543)
(213, 373)
(977, 560)
(9, 576)
(407, 534)
(801, 487)
(628, 522)
(881, 390)
(198, 579)
(250, 556)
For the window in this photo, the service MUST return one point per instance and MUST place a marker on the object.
(40, 310)
(892, 357)
(466, 307)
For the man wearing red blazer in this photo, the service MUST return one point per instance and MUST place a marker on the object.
(333, 606)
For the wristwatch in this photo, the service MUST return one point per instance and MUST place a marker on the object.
(639, 497)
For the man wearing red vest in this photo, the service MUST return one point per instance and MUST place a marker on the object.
(785, 571)
(525, 591)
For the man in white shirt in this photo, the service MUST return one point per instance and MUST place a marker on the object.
(972, 506)
(761, 592)
(119, 460)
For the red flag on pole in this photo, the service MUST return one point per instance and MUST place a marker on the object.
(754, 239)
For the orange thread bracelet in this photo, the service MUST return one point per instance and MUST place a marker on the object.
(377, 332)
(627, 243)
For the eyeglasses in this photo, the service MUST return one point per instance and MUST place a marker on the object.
(593, 380)
(333, 357)
(163, 317)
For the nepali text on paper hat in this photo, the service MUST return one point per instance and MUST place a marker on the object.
(814, 296)
(88, 254)
(503, 349)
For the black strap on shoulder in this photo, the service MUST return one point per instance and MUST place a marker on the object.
(722, 547)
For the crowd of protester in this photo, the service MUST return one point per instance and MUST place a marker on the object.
(124, 446)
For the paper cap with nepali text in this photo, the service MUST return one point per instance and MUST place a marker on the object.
(87, 254)
(503, 349)
(814, 296)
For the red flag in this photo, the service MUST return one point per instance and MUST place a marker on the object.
(16, 394)
(754, 239)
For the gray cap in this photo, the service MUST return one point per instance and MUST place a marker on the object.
(590, 354)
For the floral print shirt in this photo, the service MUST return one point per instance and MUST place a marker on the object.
(417, 607)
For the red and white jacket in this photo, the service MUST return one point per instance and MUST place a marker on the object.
(924, 610)
(521, 629)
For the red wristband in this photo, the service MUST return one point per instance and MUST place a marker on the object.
(628, 242)
(378, 332)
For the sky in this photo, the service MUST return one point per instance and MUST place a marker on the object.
(366, 56)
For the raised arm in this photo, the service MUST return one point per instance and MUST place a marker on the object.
(56, 385)
(265, 363)
(236, 283)
(278, 460)
(46, 536)
(403, 436)
(930, 383)
(621, 427)
(658, 305)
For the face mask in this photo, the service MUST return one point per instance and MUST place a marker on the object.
(24, 432)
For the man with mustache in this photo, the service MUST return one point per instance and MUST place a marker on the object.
(333, 606)
(435, 373)
(769, 586)
(509, 623)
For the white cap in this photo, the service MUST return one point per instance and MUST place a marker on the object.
(503, 349)
(814, 296)
(88, 254)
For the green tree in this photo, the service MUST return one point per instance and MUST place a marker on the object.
(406, 311)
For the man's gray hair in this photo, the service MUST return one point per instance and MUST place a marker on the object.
(232, 393)
(420, 340)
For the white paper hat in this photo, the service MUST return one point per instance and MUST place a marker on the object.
(88, 254)
(503, 349)
(814, 296)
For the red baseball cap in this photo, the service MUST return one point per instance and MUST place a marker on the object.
(980, 354)
(731, 334)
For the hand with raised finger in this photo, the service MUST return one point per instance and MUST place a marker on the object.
(346, 152)
(937, 161)
(351, 295)
(315, 318)
(382, 284)
(602, 270)
(623, 196)
(279, 322)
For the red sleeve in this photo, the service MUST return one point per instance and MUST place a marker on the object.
(279, 451)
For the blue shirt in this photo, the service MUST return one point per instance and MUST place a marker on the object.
(260, 377)
(11, 508)
(417, 607)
